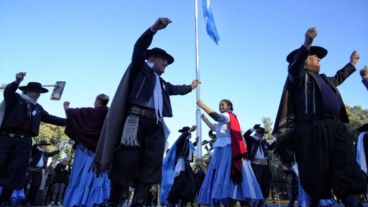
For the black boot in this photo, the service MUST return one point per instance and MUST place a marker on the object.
(352, 201)
(140, 194)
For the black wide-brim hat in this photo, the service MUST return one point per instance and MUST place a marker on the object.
(363, 128)
(212, 134)
(34, 86)
(184, 129)
(160, 53)
(261, 130)
(43, 142)
(314, 50)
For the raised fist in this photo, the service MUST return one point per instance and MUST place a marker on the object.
(20, 76)
(364, 72)
(160, 23)
(354, 57)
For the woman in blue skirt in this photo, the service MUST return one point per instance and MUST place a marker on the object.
(84, 126)
(229, 178)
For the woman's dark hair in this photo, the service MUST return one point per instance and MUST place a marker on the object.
(229, 103)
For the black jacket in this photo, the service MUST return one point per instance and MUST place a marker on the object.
(307, 94)
(16, 113)
(143, 79)
(36, 156)
(253, 144)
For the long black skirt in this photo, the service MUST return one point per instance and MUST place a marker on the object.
(326, 160)
(184, 187)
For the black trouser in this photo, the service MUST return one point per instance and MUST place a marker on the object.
(324, 153)
(183, 188)
(36, 178)
(139, 166)
(264, 178)
(120, 193)
(14, 156)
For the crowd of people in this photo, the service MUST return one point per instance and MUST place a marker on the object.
(119, 151)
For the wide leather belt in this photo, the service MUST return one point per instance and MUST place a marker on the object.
(140, 111)
(260, 161)
(13, 135)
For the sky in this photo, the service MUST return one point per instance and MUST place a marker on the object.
(88, 44)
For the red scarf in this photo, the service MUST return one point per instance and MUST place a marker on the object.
(238, 148)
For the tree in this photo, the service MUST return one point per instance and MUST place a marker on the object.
(58, 140)
(357, 117)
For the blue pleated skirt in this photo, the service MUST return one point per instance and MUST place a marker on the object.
(218, 187)
(17, 195)
(304, 199)
(85, 188)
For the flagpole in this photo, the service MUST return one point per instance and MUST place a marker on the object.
(198, 94)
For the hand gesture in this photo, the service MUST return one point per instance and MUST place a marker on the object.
(20, 76)
(195, 84)
(200, 104)
(256, 126)
(194, 127)
(364, 72)
(66, 104)
(160, 23)
(309, 36)
(354, 57)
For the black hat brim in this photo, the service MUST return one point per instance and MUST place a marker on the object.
(42, 90)
(314, 50)
(184, 129)
(262, 131)
(161, 53)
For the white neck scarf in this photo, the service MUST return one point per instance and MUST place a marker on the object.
(28, 99)
(157, 94)
(158, 100)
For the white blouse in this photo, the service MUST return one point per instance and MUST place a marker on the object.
(223, 135)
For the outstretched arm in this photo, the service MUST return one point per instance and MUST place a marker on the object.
(145, 40)
(208, 123)
(347, 70)
(296, 67)
(180, 89)
(11, 88)
(214, 115)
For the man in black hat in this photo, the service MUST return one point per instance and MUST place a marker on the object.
(38, 162)
(312, 113)
(20, 121)
(139, 105)
(258, 155)
(178, 158)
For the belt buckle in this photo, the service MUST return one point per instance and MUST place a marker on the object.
(12, 135)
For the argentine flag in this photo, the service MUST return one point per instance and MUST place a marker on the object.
(210, 21)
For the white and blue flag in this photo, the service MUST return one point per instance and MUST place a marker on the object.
(210, 21)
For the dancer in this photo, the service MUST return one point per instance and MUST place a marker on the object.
(229, 178)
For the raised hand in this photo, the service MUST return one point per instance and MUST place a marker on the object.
(200, 104)
(19, 77)
(354, 57)
(160, 23)
(66, 104)
(364, 72)
(195, 84)
(194, 127)
(309, 36)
